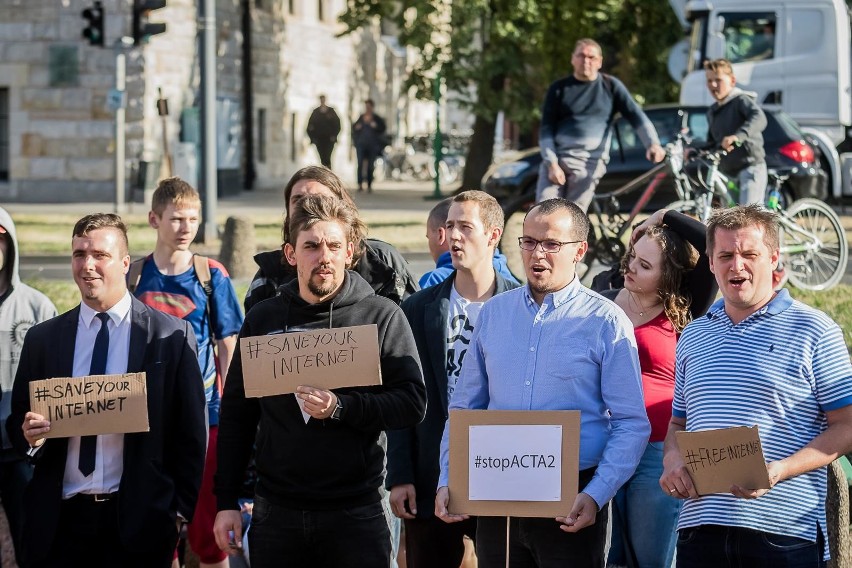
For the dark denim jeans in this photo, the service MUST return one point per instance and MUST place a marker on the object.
(714, 546)
(343, 538)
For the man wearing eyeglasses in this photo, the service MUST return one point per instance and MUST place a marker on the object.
(555, 345)
(576, 127)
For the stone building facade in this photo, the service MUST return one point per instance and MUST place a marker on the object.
(273, 59)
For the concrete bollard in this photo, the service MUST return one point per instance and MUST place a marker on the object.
(238, 248)
(837, 517)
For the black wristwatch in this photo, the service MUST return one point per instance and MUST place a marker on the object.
(338, 410)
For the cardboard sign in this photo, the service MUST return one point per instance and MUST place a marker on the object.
(529, 448)
(717, 459)
(323, 358)
(96, 404)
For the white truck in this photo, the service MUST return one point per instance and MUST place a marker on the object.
(794, 53)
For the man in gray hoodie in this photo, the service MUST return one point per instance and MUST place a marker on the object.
(736, 125)
(21, 307)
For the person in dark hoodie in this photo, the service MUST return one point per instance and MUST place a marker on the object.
(320, 453)
(21, 307)
(736, 124)
(379, 263)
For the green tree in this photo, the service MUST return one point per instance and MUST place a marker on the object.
(501, 55)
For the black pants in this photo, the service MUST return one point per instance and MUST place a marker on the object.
(324, 149)
(716, 546)
(357, 537)
(15, 473)
(540, 543)
(88, 536)
(366, 164)
(432, 543)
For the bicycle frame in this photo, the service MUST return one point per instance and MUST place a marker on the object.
(613, 225)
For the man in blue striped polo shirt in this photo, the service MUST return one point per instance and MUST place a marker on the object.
(759, 357)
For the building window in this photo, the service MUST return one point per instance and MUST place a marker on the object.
(4, 134)
(293, 137)
(261, 135)
(291, 7)
(321, 10)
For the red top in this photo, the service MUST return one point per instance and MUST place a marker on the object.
(656, 341)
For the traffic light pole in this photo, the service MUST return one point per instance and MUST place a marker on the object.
(207, 23)
(120, 84)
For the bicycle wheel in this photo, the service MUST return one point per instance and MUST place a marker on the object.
(813, 245)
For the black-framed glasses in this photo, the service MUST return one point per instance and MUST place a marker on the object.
(547, 245)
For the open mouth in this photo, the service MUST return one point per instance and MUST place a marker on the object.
(737, 281)
(538, 269)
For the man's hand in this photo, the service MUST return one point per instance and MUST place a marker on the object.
(774, 469)
(729, 142)
(655, 153)
(442, 499)
(318, 403)
(555, 174)
(228, 531)
(675, 480)
(34, 428)
(398, 496)
(582, 514)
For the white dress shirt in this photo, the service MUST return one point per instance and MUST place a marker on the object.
(109, 455)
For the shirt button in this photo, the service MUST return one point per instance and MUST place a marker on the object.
(532, 349)
(527, 383)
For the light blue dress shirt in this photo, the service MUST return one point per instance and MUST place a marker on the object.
(576, 351)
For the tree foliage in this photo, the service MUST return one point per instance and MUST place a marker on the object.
(501, 55)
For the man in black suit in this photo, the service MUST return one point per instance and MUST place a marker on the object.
(442, 318)
(117, 499)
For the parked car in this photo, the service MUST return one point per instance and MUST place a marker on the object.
(788, 150)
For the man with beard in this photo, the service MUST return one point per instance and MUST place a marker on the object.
(320, 453)
(555, 345)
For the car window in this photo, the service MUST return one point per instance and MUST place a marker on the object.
(698, 128)
(625, 138)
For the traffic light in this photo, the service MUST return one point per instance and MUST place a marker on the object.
(94, 30)
(142, 28)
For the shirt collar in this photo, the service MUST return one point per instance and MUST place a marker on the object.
(776, 305)
(557, 298)
(117, 313)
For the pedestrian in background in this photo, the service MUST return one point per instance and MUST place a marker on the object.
(368, 134)
(323, 128)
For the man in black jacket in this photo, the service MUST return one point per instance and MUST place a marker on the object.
(442, 318)
(379, 263)
(323, 128)
(112, 499)
(320, 454)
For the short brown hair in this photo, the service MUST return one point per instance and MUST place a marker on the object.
(579, 220)
(741, 217)
(316, 208)
(97, 221)
(719, 66)
(321, 175)
(489, 210)
(174, 191)
(438, 215)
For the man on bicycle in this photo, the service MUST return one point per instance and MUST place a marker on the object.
(575, 130)
(736, 124)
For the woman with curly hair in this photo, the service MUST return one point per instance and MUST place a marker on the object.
(667, 283)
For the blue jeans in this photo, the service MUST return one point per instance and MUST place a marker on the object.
(643, 517)
(714, 546)
(356, 537)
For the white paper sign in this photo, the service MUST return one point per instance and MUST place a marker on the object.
(515, 463)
